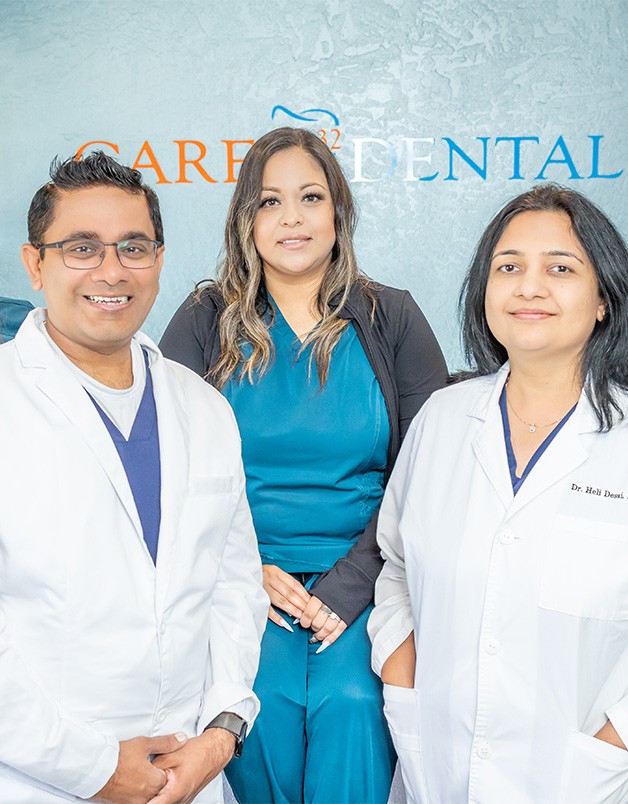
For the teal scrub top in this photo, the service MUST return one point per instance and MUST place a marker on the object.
(314, 458)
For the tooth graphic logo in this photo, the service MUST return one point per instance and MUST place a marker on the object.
(330, 131)
(305, 115)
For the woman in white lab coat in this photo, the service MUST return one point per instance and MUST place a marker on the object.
(501, 620)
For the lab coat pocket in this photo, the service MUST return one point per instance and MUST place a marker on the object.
(594, 772)
(585, 569)
(401, 707)
(205, 518)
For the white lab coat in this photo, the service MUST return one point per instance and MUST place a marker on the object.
(519, 607)
(98, 644)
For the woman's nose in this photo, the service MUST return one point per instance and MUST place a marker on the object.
(532, 283)
(291, 214)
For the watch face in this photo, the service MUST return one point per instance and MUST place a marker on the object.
(240, 740)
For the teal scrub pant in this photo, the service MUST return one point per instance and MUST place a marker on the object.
(321, 735)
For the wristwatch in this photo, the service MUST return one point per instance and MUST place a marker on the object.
(232, 723)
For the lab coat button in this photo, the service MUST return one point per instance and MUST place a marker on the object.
(493, 646)
(484, 750)
(161, 716)
(162, 629)
(507, 537)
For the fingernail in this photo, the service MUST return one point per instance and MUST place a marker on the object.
(296, 621)
(313, 640)
(181, 736)
(283, 624)
(323, 647)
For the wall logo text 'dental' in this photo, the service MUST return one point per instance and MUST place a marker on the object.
(410, 159)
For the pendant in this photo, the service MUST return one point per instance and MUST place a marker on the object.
(532, 428)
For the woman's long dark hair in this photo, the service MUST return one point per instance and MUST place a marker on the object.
(605, 356)
(241, 277)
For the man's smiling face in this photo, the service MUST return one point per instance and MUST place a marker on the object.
(97, 310)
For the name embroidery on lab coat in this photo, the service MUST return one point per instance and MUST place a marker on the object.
(599, 492)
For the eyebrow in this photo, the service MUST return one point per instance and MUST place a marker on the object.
(554, 253)
(83, 234)
(301, 188)
(564, 254)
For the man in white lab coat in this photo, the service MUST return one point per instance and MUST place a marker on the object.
(131, 605)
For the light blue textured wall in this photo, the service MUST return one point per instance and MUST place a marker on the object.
(388, 70)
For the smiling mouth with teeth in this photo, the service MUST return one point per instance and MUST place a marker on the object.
(112, 300)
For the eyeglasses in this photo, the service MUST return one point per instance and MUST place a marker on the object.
(83, 255)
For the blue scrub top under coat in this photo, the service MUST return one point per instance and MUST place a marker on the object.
(314, 459)
(516, 481)
(140, 457)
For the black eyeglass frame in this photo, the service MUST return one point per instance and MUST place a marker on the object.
(156, 243)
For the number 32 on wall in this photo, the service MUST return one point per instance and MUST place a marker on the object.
(330, 137)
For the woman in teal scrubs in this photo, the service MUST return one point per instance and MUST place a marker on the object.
(324, 369)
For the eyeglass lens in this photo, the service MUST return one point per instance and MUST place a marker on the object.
(86, 254)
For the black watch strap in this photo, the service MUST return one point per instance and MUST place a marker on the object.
(232, 723)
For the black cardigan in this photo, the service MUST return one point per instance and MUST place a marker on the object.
(409, 366)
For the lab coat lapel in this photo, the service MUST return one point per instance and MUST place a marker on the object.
(488, 444)
(565, 453)
(174, 436)
(58, 383)
(62, 388)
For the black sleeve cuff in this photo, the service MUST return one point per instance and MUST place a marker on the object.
(346, 589)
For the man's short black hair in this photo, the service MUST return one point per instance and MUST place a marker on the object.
(97, 169)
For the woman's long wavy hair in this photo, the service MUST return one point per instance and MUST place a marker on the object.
(604, 365)
(248, 314)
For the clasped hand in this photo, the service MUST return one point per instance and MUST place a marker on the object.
(290, 596)
(180, 769)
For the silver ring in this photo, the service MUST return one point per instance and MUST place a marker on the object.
(326, 610)
(334, 616)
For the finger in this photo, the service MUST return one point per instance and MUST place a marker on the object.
(282, 582)
(166, 744)
(291, 604)
(279, 620)
(323, 620)
(310, 612)
(293, 592)
(335, 634)
(158, 781)
(297, 588)
(168, 792)
(329, 626)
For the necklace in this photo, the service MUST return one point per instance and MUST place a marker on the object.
(530, 425)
